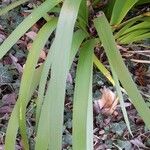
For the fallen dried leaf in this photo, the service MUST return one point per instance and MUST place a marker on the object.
(107, 98)
(138, 143)
(31, 35)
(5, 109)
(9, 99)
(1, 147)
(107, 104)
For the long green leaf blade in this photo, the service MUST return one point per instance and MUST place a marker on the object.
(13, 124)
(52, 131)
(133, 38)
(11, 6)
(115, 59)
(28, 74)
(118, 89)
(26, 24)
(82, 102)
(143, 25)
(102, 68)
(121, 8)
(77, 40)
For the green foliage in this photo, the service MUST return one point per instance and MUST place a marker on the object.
(119, 68)
(83, 99)
(11, 6)
(26, 82)
(71, 30)
(120, 10)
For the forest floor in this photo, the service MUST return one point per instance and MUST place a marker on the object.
(110, 130)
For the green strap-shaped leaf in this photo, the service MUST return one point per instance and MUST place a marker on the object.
(142, 25)
(120, 96)
(135, 36)
(119, 33)
(140, 2)
(109, 8)
(78, 37)
(28, 74)
(82, 102)
(11, 6)
(121, 8)
(13, 124)
(54, 99)
(103, 69)
(141, 17)
(115, 59)
(26, 24)
(83, 15)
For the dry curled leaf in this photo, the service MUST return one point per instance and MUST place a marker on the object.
(138, 143)
(9, 99)
(5, 109)
(108, 103)
(31, 35)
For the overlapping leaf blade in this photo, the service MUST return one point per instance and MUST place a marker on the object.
(28, 75)
(82, 103)
(26, 24)
(55, 94)
(11, 6)
(114, 57)
(78, 37)
(121, 100)
(103, 69)
(121, 8)
(12, 128)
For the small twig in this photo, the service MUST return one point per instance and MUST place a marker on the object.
(144, 51)
(140, 61)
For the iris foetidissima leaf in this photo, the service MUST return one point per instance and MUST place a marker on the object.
(78, 37)
(109, 8)
(13, 124)
(28, 75)
(143, 25)
(139, 18)
(140, 2)
(116, 61)
(120, 96)
(119, 33)
(11, 6)
(51, 136)
(83, 15)
(26, 24)
(82, 102)
(134, 36)
(133, 28)
(102, 68)
(115, 83)
(121, 28)
(120, 10)
(139, 31)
